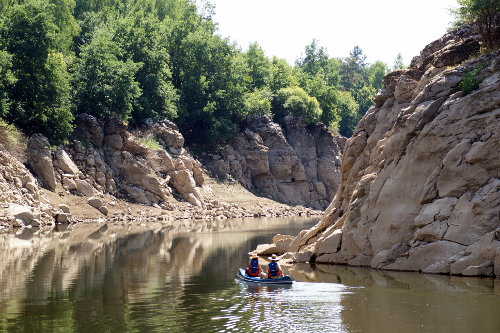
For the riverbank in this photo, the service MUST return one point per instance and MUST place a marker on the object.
(223, 200)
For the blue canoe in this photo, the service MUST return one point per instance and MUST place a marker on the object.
(287, 279)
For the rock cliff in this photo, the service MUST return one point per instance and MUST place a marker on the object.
(106, 162)
(420, 182)
(295, 164)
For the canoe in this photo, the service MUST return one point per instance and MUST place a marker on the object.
(287, 279)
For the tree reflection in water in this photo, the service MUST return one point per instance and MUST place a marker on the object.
(181, 278)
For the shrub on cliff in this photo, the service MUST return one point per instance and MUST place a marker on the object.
(13, 140)
(296, 102)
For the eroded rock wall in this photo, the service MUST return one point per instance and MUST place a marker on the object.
(296, 164)
(420, 183)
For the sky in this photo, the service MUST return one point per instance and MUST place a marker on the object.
(382, 28)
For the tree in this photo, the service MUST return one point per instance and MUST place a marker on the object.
(348, 109)
(281, 75)
(315, 58)
(143, 39)
(376, 73)
(296, 102)
(104, 85)
(7, 80)
(398, 63)
(209, 74)
(481, 12)
(40, 96)
(258, 102)
(354, 69)
(326, 96)
(259, 67)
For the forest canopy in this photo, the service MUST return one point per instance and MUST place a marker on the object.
(163, 59)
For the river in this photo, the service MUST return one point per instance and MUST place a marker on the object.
(137, 277)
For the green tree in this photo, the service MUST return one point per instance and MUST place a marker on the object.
(481, 12)
(326, 95)
(209, 74)
(296, 102)
(259, 67)
(7, 80)
(376, 73)
(258, 102)
(40, 96)
(143, 39)
(348, 109)
(281, 75)
(68, 26)
(398, 63)
(315, 58)
(104, 85)
(354, 69)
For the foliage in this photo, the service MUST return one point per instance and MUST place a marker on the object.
(469, 80)
(143, 39)
(296, 102)
(13, 140)
(258, 102)
(481, 12)
(7, 80)
(398, 62)
(281, 75)
(376, 73)
(150, 141)
(104, 85)
(40, 96)
(348, 109)
(259, 67)
(139, 59)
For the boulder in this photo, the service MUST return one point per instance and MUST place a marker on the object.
(104, 210)
(40, 160)
(114, 125)
(169, 133)
(95, 202)
(62, 218)
(266, 249)
(64, 162)
(84, 188)
(64, 208)
(87, 128)
(21, 213)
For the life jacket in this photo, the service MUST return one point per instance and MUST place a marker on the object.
(272, 270)
(253, 267)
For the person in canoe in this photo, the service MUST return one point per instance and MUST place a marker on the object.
(254, 269)
(274, 269)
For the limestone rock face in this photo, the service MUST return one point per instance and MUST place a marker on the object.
(22, 201)
(89, 129)
(119, 164)
(296, 164)
(420, 188)
(169, 133)
(40, 160)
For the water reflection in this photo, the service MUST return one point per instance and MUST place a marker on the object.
(181, 278)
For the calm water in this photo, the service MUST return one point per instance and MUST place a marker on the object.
(181, 278)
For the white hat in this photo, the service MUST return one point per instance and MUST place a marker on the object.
(273, 257)
(253, 255)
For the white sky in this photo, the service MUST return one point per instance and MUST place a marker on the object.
(382, 28)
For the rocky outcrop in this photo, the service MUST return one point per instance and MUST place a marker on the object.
(119, 164)
(298, 164)
(116, 165)
(420, 187)
(22, 201)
